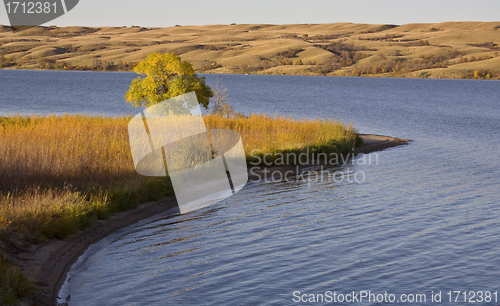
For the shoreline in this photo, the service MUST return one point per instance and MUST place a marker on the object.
(48, 264)
(371, 143)
(382, 76)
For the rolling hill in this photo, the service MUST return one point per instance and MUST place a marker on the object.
(441, 50)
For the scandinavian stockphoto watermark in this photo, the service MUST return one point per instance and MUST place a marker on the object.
(28, 13)
(310, 167)
(205, 166)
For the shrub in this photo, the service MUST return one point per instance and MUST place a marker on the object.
(290, 53)
(206, 65)
(380, 28)
(417, 43)
(387, 37)
(221, 106)
(489, 45)
(14, 285)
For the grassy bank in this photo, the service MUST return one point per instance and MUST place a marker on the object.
(272, 135)
(59, 174)
(433, 50)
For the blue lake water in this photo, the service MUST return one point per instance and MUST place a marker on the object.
(424, 219)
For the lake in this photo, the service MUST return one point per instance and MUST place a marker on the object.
(422, 221)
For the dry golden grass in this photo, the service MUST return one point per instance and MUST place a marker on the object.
(59, 173)
(56, 151)
(51, 213)
(274, 134)
(245, 48)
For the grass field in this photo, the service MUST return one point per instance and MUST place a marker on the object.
(59, 174)
(441, 50)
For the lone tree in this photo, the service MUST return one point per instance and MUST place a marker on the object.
(221, 107)
(166, 77)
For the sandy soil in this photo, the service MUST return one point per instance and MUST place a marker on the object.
(373, 143)
(48, 264)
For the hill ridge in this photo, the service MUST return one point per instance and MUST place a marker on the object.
(436, 50)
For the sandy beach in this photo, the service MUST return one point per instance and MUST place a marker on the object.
(49, 263)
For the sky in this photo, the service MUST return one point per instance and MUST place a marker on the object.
(166, 13)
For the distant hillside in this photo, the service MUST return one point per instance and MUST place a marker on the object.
(441, 50)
